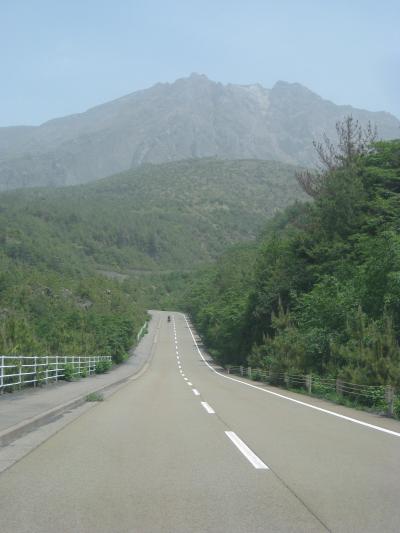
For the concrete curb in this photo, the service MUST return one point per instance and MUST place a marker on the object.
(7, 436)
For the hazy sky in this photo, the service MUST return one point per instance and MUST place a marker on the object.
(63, 56)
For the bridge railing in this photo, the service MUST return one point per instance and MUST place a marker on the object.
(19, 370)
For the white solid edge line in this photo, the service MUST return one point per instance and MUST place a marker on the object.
(196, 392)
(298, 402)
(209, 409)
(250, 456)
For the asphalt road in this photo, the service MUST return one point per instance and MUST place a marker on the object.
(184, 449)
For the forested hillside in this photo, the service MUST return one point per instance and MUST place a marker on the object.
(174, 215)
(320, 292)
(79, 266)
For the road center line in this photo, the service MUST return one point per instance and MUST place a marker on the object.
(298, 402)
(190, 384)
(209, 409)
(196, 392)
(250, 456)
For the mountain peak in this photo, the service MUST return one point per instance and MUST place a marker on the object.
(197, 76)
(294, 88)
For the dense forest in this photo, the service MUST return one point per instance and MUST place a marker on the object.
(320, 290)
(79, 266)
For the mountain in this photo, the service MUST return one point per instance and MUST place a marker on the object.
(193, 117)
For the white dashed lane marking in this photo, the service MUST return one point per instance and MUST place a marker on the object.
(209, 409)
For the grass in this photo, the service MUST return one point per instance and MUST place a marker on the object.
(94, 397)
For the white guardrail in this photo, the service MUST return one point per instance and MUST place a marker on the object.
(20, 370)
(142, 331)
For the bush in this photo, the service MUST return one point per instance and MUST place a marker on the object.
(94, 397)
(256, 375)
(396, 407)
(103, 366)
(69, 372)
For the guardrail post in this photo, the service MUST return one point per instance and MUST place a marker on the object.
(309, 383)
(249, 372)
(56, 365)
(2, 374)
(286, 379)
(241, 370)
(339, 386)
(228, 368)
(389, 397)
(47, 369)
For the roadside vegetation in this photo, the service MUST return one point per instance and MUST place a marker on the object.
(79, 266)
(319, 293)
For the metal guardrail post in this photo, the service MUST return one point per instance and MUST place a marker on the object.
(339, 386)
(308, 379)
(389, 397)
(2, 374)
(47, 369)
(241, 370)
(249, 372)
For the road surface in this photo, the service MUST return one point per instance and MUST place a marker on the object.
(184, 449)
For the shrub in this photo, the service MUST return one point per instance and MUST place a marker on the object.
(103, 366)
(69, 372)
(396, 407)
(94, 397)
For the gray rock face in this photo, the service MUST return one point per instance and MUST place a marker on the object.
(191, 118)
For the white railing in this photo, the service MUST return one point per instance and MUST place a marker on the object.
(19, 370)
(142, 331)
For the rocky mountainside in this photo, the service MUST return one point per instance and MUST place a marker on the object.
(191, 118)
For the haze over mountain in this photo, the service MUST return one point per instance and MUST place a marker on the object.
(193, 117)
